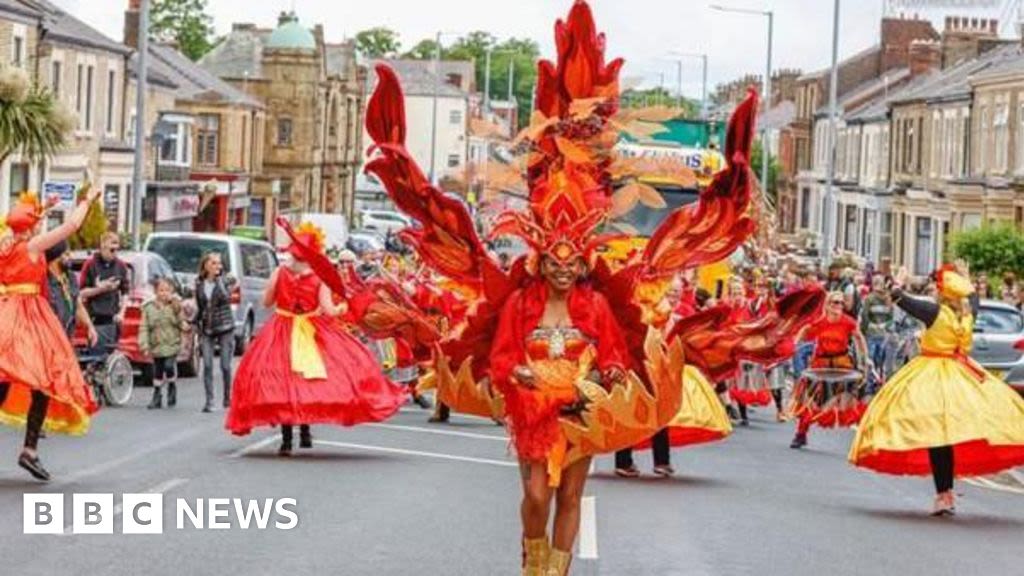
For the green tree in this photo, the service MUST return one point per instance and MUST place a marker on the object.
(423, 50)
(95, 226)
(378, 42)
(993, 249)
(756, 161)
(185, 22)
(31, 121)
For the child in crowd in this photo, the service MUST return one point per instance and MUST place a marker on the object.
(160, 333)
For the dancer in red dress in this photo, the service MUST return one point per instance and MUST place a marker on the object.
(41, 385)
(303, 367)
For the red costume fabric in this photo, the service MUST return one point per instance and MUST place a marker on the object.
(533, 414)
(832, 337)
(269, 392)
(34, 350)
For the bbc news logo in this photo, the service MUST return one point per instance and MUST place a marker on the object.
(144, 514)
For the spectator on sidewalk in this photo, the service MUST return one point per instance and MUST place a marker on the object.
(105, 282)
(876, 323)
(163, 322)
(216, 323)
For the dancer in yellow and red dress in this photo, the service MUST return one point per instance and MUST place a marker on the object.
(831, 399)
(942, 414)
(41, 385)
(304, 368)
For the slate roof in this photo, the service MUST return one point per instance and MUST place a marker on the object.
(64, 27)
(239, 55)
(418, 79)
(192, 81)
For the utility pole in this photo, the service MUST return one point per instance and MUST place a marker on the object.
(679, 78)
(433, 120)
(767, 104)
(139, 170)
(830, 141)
(487, 84)
(704, 88)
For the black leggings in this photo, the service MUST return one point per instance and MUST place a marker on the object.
(659, 445)
(942, 468)
(36, 414)
(777, 397)
(286, 432)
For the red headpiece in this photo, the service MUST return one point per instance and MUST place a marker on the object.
(25, 214)
(571, 146)
(309, 235)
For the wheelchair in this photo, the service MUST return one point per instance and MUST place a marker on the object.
(107, 370)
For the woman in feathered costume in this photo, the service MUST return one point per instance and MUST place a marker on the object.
(558, 344)
(942, 414)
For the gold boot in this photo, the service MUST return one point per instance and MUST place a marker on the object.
(558, 562)
(535, 556)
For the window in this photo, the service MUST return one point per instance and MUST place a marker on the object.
(256, 261)
(56, 68)
(455, 117)
(208, 140)
(923, 247)
(983, 130)
(937, 141)
(1001, 137)
(805, 208)
(970, 221)
(885, 238)
(19, 179)
(257, 212)
(284, 132)
(18, 52)
(998, 321)
(851, 228)
(111, 99)
(90, 73)
(80, 93)
(1018, 216)
(1020, 139)
(284, 199)
(169, 147)
(867, 238)
(454, 160)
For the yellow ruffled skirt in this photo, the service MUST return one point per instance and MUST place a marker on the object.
(939, 401)
(701, 418)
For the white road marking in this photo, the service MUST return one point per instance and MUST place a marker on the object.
(593, 467)
(588, 528)
(161, 488)
(436, 455)
(119, 462)
(411, 410)
(254, 446)
(443, 432)
(986, 483)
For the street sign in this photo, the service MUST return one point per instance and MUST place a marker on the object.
(66, 191)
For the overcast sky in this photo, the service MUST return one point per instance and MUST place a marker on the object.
(644, 32)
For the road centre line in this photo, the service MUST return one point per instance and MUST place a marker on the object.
(982, 482)
(588, 528)
(254, 446)
(118, 462)
(503, 439)
(435, 455)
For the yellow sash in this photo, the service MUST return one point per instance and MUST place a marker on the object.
(305, 353)
(19, 289)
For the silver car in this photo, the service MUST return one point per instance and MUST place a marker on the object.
(998, 337)
(251, 262)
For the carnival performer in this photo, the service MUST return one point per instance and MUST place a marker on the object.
(303, 367)
(41, 384)
(831, 403)
(545, 338)
(942, 413)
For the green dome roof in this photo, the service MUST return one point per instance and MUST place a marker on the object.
(291, 35)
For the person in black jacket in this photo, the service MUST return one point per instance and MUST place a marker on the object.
(216, 323)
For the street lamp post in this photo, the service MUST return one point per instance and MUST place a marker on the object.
(433, 119)
(830, 142)
(704, 79)
(767, 80)
(139, 170)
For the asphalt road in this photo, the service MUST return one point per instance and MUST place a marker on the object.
(407, 497)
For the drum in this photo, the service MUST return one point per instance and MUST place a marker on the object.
(750, 387)
(829, 397)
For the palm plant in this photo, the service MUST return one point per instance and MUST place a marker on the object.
(32, 122)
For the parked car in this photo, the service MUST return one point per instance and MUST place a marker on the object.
(385, 221)
(143, 269)
(251, 262)
(364, 242)
(999, 341)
